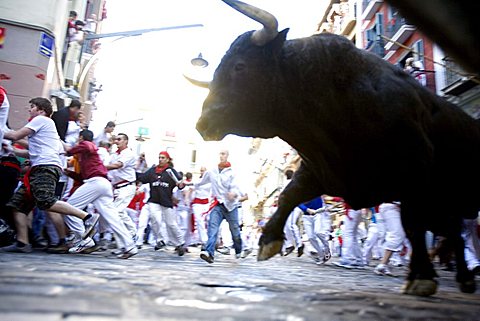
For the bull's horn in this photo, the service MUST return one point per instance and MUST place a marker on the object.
(269, 22)
(199, 83)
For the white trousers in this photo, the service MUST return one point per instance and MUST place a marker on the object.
(98, 191)
(371, 248)
(472, 243)
(351, 251)
(123, 197)
(291, 229)
(199, 216)
(315, 232)
(161, 213)
(394, 233)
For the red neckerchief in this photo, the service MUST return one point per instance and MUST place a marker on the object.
(120, 150)
(159, 169)
(223, 165)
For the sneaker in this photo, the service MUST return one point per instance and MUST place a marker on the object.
(300, 250)
(289, 250)
(327, 256)
(128, 253)
(382, 269)
(160, 245)
(40, 243)
(60, 248)
(180, 250)
(14, 248)
(81, 246)
(319, 260)
(344, 264)
(238, 255)
(103, 245)
(224, 250)
(90, 221)
(118, 251)
(204, 255)
(246, 253)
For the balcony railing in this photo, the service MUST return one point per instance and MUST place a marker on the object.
(370, 7)
(451, 75)
(394, 25)
(399, 30)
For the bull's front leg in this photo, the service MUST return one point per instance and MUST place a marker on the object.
(421, 277)
(303, 187)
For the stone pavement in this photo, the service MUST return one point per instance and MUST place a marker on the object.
(162, 286)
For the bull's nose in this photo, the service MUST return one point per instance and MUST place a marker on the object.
(201, 125)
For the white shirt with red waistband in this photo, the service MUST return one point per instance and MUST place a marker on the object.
(126, 173)
(222, 182)
(202, 192)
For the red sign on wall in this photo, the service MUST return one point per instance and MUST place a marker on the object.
(2, 36)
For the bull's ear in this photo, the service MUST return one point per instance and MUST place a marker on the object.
(277, 43)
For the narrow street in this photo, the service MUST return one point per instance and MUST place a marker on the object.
(162, 286)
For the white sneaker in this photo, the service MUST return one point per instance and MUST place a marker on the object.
(118, 251)
(128, 252)
(81, 246)
(246, 253)
(382, 269)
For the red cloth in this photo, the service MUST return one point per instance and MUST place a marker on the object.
(26, 182)
(137, 200)
(197, 200)
(224, 165)
(90, 163)
(166, 154)
(159, 169)
(3, 94)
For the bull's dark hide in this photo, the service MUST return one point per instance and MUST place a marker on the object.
(366, 131)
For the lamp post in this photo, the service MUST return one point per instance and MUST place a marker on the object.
(199, 61)
(83, 84)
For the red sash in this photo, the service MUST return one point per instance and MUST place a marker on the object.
(197, 200)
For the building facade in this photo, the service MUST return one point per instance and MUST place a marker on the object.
(32, 43)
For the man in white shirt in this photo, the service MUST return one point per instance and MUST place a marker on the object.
(226, 194)
(39, 185)
(105, 135)
(121, 172)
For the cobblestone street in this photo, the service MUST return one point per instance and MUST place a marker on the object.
(162, 286)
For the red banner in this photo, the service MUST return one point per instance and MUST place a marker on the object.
(2, 36)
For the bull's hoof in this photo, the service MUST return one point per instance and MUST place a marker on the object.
(420, 287)
(468, 286)
(268, 250)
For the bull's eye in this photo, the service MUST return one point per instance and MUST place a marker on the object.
(239, 66)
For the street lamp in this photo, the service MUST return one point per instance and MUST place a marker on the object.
(199, 61)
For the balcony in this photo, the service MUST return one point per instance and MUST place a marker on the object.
(370, 7)
(399, 30)
(455, 83)
(340, 19)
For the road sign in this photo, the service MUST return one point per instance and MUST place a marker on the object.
(142, 131)
(46, 45)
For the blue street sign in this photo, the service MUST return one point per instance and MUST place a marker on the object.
(46, 45)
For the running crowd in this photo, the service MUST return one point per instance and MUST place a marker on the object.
(68, 190)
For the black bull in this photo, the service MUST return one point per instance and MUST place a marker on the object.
(365, 130)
